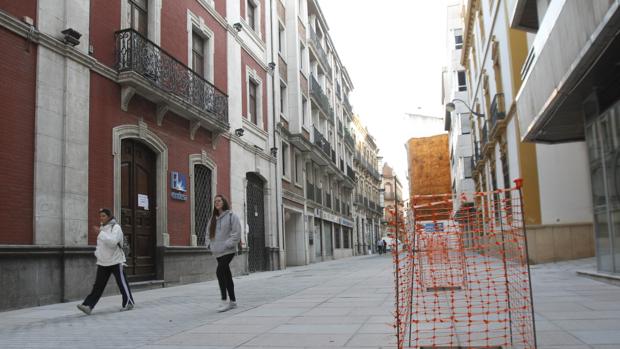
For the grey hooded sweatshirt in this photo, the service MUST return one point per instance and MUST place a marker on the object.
(227, 234)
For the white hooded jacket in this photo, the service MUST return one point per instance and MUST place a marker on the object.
(109, 242)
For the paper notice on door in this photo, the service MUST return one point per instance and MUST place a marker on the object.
(143, 201)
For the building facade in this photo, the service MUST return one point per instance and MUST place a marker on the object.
(558, 220)
(454, 85)
(368, 212)
(392, 191)
(153, 107)
(570, 98)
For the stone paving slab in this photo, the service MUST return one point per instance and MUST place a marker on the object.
(340, 304)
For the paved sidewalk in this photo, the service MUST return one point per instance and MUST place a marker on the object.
(345, 303)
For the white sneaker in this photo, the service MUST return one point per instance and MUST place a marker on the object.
(223, 307)
(85, 309)
(128, 307)
(227, 306)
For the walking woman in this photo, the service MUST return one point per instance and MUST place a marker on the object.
(110, 260)
(222, 236)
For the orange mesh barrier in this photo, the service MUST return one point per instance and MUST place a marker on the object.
(462, 279)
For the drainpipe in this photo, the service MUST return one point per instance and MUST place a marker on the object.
(273, 116)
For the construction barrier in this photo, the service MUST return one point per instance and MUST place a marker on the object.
(461, 272)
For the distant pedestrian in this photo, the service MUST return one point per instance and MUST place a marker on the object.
(380, 246)
(110, 260)
(222, 236)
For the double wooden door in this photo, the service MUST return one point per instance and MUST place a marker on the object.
(138, 202)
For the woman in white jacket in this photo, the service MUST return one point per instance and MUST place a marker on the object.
(222, 236)
(110, 260)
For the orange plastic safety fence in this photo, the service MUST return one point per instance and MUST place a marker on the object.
(462, 274)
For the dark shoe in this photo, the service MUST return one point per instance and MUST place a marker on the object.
(85, 309)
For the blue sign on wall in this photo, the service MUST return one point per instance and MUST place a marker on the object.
(433, 227)
(178, 182)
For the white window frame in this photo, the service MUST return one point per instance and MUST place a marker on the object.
(251, 74)
(304, 113)
(283, 99)
(282, 40)
(196, 24)
(286, 165)
(257, 17)
(154, 19)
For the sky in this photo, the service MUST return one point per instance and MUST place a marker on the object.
(394, 51)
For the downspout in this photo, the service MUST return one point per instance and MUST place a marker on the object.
(273, 116)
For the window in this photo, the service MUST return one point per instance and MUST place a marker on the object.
(251, 14)
(138, 16)
(467, 167)
(458, 39)
(302, 50)
(198, 51)
(304, 105)
(461, 80)
(465, 124)
(285, 159)
(253, 107)
(282, 98)
(281, 40)
(298, 168)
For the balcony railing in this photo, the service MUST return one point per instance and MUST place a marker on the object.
(342, 166)
(350, 173)
(347, 105)
(484, 136)
(348, 139)
(317, 93)
(334, 157)
(498, 111)
(165, 80)
(320, 52)
(322, 142)
(328, 200)
(318, 195)
(337, 206)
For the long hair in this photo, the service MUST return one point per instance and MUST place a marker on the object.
(225, 207)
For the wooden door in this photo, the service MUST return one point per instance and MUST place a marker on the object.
(138, 202)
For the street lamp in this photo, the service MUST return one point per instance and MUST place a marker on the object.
(450, 107)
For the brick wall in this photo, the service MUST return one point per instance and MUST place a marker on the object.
(105, 114)
(17, 115)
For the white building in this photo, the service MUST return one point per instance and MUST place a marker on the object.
(558, 219)
(570, 98)
(458, 124)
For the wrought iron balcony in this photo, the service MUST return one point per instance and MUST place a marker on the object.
(498, 112)
(315, 43)
(347, 105)
(484, 136)
(316, 91)
(146, 69)
(322, 143)
(348, 139)
(350, 173)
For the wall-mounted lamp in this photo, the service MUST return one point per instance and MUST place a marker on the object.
(72, 36)
(239, 132)
(238, 26)
(450, 107)
(272, 66)
(274, 151)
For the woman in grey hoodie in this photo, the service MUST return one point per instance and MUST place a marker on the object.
(222, 236)
(110, 260)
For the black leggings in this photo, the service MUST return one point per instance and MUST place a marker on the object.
(224, 277)
(103, 274)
